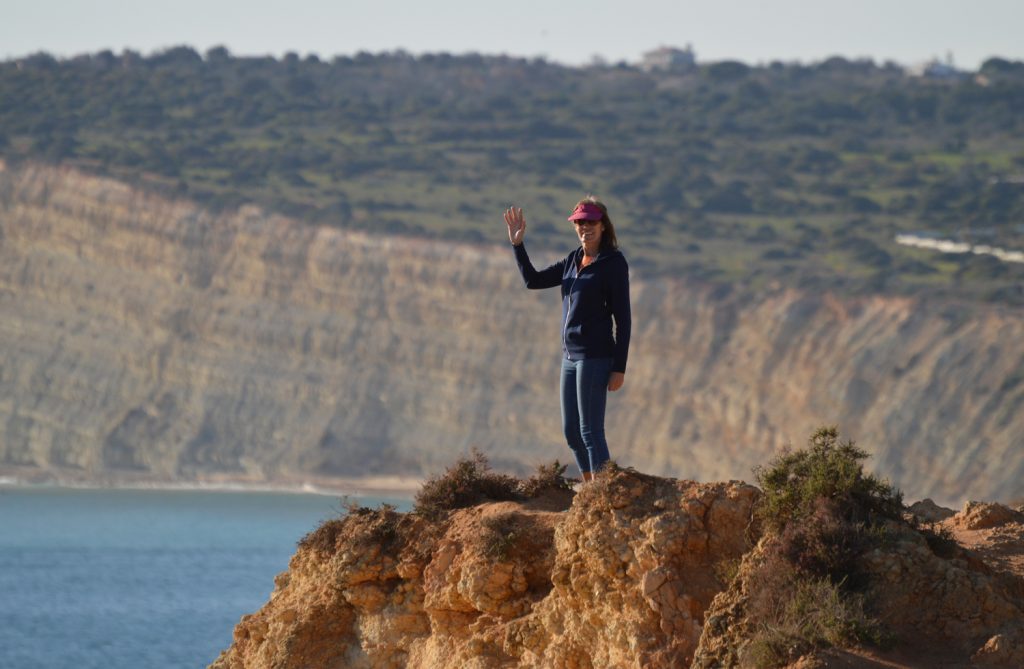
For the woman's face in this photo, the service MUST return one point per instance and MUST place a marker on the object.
(589, 232)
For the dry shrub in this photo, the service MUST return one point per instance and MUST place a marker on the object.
(471, 481)
(940, 540)
(360, 525)
(793, 612)
(468, 482)
(324, 539)
(605, 477)
(825, 545)
(547, 477)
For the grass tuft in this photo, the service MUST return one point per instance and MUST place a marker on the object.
(815, 613)
(500, 534)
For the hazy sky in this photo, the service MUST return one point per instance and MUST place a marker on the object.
(570, 31)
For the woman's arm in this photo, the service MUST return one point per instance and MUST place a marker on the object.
(549, 277)
(618, 302)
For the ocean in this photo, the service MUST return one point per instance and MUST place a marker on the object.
(112, 579)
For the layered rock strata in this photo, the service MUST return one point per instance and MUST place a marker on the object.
(142, 338)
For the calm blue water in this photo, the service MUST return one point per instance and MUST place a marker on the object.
(137, 579)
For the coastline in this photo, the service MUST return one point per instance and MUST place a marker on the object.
(398, 487)
(395, 487)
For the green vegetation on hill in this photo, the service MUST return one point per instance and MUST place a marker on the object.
(796, 173)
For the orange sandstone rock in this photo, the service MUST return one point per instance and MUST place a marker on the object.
(620, 578)
(982, 515)
(633, 571)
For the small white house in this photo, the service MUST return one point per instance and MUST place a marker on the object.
(937, 69)
(668, 58)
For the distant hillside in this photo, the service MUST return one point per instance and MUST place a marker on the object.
(148, 339)
(798, 173)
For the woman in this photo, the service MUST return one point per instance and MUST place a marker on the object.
(595, 292)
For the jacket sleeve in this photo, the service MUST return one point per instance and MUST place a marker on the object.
(548, 277)
(618, 303)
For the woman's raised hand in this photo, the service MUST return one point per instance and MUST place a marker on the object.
(516, 225)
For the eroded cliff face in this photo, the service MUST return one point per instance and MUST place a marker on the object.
(956, 602)
(621, 579)
(145, 338)
(632, 571)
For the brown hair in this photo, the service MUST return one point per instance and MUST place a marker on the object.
(609, 242)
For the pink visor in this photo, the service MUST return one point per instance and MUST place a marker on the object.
(587, 212)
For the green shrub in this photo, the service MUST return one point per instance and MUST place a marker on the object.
(822, 513)
(796, 483)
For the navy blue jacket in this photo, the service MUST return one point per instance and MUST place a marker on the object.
(591, 299)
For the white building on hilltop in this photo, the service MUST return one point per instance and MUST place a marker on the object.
(668, 58)
(937, 69)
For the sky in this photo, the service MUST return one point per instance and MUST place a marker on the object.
(568, 31)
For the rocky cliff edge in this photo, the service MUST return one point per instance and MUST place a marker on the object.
(631, 571)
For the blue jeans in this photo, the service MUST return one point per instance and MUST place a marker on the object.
(584, 391)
